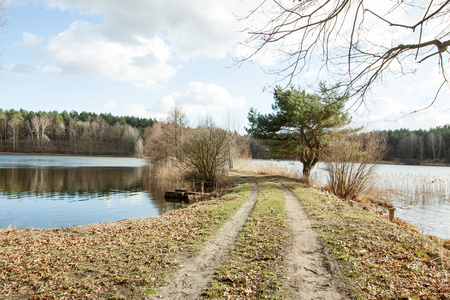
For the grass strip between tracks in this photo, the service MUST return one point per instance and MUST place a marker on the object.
(253, 272)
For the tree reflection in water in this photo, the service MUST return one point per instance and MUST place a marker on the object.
(113, 193)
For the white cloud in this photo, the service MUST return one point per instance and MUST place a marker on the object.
(386, 113)
(24, 68)
(142, 42)
(29, 41)
(193, 28)
(83, 50)
(431, 82)
(138, 110)
(200, 99)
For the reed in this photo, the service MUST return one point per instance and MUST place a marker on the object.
(414, 189)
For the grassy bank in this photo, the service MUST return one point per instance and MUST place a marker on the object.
(378, 259)
(120, 260)
(253, 272)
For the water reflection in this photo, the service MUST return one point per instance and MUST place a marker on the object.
(70, 181)
(45, 197)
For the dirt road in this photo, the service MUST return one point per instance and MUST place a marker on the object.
(307, 270)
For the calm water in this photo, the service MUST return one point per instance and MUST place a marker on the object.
(62, 191)
(420, 194)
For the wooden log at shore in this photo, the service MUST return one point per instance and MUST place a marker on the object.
(185, 196)
(177, 194)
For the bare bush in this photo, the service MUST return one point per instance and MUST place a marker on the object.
(350, 161)
(204, 153)
(237, 148)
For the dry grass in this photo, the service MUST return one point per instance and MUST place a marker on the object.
(274, 169)
(166, 171)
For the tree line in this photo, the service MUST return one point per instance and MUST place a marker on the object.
(84, 133)
(417, 146)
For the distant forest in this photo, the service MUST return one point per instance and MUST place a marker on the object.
(70, 133)
(417, 146)
(89, 133)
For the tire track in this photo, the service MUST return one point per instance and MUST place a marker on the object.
(192, 278)
(307, 266)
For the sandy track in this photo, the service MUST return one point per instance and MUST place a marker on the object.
(192, 278)
(307, 266)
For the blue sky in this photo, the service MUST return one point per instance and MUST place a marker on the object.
(141, 57)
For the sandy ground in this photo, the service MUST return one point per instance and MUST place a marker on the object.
(309, 273)
(193, 277)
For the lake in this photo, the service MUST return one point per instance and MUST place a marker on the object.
(420, 194)
(62, 191)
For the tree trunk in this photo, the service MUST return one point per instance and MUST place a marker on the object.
(306, 171)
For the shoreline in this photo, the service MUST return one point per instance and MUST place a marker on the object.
(424, 164)
(65, 154)
(134, 258)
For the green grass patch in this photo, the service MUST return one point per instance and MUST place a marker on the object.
(253, 270)
(378, 259)
(120, 260)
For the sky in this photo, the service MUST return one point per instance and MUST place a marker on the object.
(140, 58)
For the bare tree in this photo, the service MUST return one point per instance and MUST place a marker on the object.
(130, 138)
(39, 126)
(14, 125)
(74, 130)
(432, 143)
(358, 42)
(407, 146)
(158, 142)
(3, 16)
(238, 146)
(178, 120)
(3, 126)
(441, 144)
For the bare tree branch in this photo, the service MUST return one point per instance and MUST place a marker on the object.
(305, 31)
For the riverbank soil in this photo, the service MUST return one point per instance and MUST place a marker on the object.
(267, 238)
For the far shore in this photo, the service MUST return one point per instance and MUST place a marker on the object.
(62, 154)
(415, 162)
(429, 163)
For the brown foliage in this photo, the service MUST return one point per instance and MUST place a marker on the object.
(351, 161)
(204, 153)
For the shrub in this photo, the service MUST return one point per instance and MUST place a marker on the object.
(204, 153)
(350, 161)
